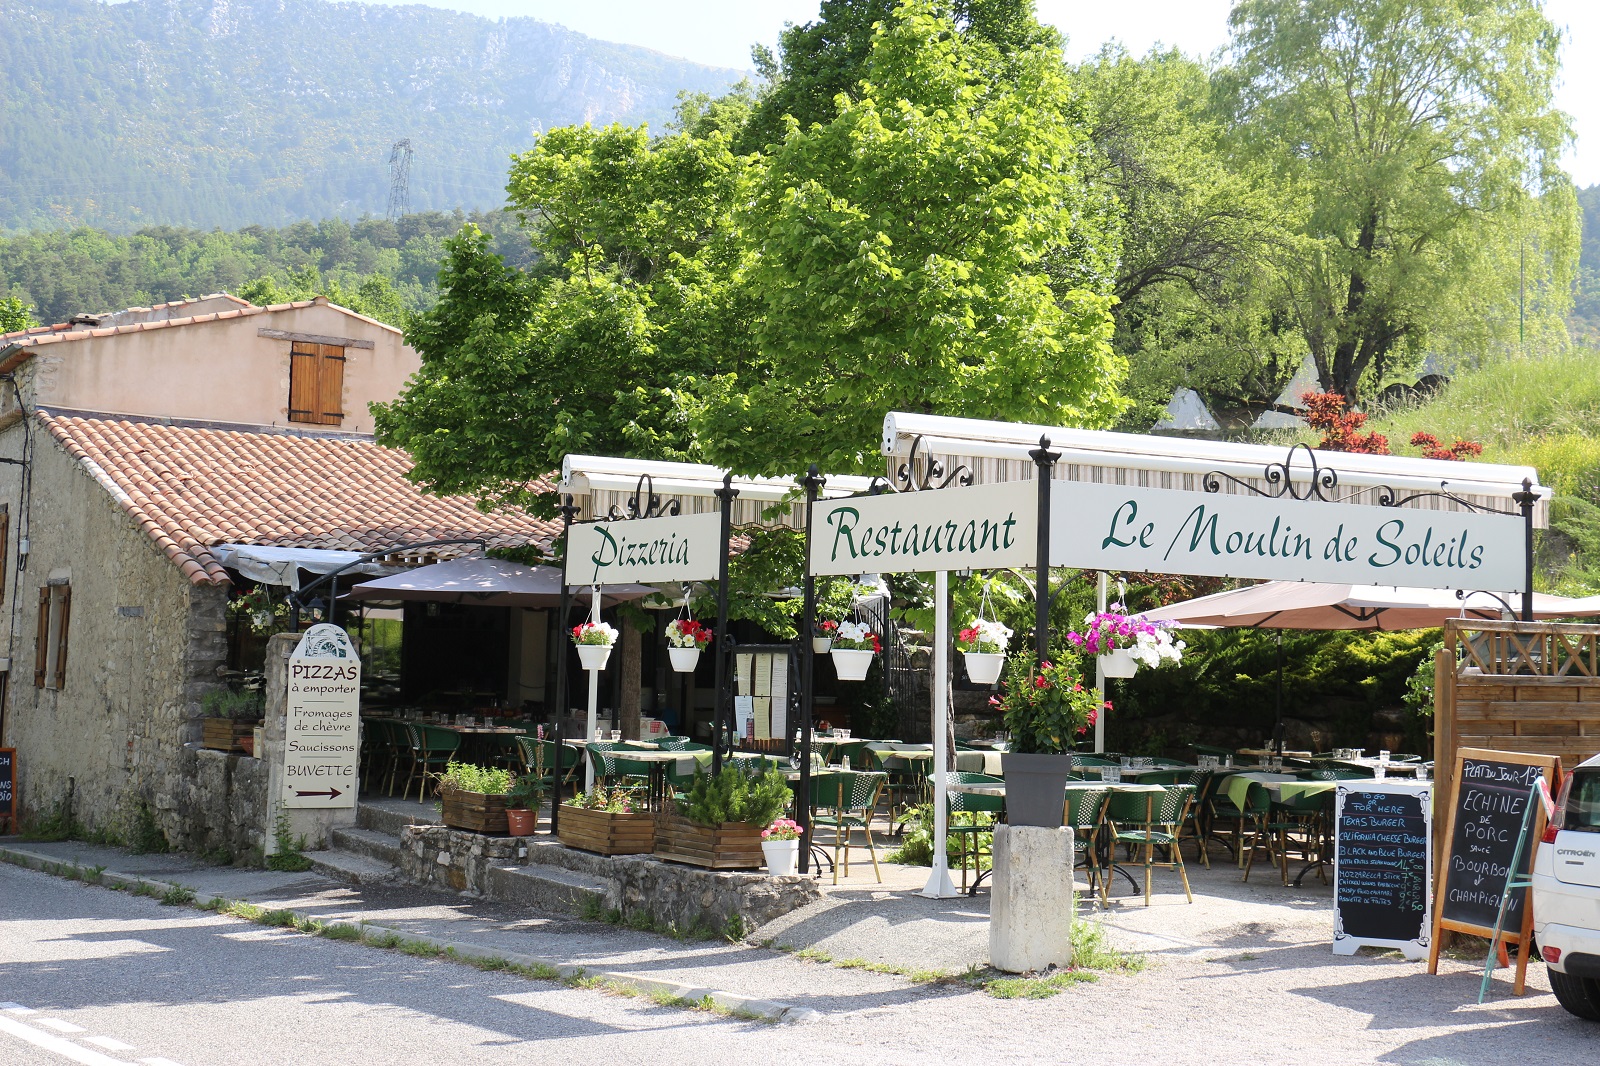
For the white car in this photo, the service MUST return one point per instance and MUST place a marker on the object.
(1566, 893)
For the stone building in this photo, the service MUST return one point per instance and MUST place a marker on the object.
(134, 446)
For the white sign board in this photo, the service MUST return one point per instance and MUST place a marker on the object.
(676, 548)
(322, 731)
(1383, 866)
(982, 527)
(1128, 528)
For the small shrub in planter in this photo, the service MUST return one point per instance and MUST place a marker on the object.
(230, 718)
(607, 822)
(474, 797)
(719, 822)
(522, 805)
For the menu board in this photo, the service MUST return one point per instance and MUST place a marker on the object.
(8, 786)
(1490, 804)
(1383, 840)
(761, 695)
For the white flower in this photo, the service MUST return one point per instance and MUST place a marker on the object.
(852, 631)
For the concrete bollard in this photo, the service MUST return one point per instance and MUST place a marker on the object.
(1031, 902)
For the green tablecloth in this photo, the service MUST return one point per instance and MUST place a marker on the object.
(1237, 787)
(1289, 790)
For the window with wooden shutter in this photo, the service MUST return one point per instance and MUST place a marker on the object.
(5, 546)
(316, 383)
(64, 600)
(55, 619)
(41, 662)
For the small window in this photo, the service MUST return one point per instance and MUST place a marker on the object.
(55, 618)
(1582, 806)
(316, 383)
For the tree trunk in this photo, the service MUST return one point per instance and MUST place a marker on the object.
(632, 646)
(1355, 347)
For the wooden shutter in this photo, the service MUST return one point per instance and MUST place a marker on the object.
(316, 383)
(5, 545)
(42, 649)
(63, 630)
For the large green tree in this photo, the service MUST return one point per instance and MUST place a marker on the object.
(1419, 137)
(898, 254)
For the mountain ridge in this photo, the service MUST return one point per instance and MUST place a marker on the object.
(237, 112)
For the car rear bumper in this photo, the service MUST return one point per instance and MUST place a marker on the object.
(1580, 949)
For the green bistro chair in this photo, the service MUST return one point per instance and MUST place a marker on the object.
(1196, 825)
(391, 747)
(432, 749)
(1296, 821)
(1212, 749)
(844, 800)
(1231, 824)
(539, 759)
(1165, 777)
(1150, 820)
(1085, 813)
(903, 783)
(981, 812)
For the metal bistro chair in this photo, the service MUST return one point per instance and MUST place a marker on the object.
(965, 803)
(432, 749)
(1085, 811)
(844, 800)
(1296, 821)
(1150, 820)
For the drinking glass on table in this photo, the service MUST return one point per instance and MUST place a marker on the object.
(616, 735)
(1111, 775)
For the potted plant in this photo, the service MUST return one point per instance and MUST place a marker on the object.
(607, 822)
(822, 636)
(983, 645)
(718, 823)
(780, 844)
(474, 797)
(854, 645)
(594, 641)
(686, 639)
(522, 805)
(1046, 710)
(230, 719)
(1122, 643)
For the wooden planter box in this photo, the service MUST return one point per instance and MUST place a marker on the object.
(606, 833)
(729, 846)
(477, 811)
(225, 734)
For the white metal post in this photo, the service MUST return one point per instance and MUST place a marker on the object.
(594, 702)
(939, 885)
(1100, 591)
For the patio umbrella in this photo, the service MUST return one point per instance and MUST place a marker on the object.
(486, 583)
(1284, 605)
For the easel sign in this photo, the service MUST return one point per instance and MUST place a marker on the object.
(8, 789)
(1383, 839)
(1487, 806)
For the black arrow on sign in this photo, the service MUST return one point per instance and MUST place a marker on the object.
(332, 793)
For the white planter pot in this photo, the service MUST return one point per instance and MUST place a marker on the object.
(594, 656)
(684, 659)
(852, 664)
(1118, 663)
(783, 856)
(983, 668)
(820, 645)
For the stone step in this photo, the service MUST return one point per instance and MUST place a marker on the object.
(369, 843)
(550, 888)
(352, 869)
(386, 819)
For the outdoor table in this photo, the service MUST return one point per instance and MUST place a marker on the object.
(990, 745)
(980, 762)
(1267, 753)
(1152, 770)
(1373, 764)
(1284, 791)
(1237, 786)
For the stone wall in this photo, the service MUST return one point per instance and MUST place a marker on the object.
(218, 804)
(144, 645)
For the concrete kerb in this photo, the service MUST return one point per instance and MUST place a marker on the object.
(763, 1009)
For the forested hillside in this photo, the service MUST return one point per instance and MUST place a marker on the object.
(230, 112)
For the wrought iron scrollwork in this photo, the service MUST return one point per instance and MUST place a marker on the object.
(1280, 478)
(645, 503)
(1387, 497)
(933, 474)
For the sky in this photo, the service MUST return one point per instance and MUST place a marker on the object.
(720, 33)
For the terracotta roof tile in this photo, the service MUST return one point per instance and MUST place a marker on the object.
(190, 488)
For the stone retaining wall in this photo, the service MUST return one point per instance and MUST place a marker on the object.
(218, 802)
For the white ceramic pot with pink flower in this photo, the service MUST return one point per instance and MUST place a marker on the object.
(780, 846)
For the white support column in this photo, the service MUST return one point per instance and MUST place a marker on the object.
(1100, 591)
(939, 885)
(594, 701)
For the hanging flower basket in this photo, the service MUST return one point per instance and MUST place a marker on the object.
(983, 668)
(822, 639)
(686, 639)
(594, 641)
(854, 645)
(983, 643)
(1117, 663)
(821, 645)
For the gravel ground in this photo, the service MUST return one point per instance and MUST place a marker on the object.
(1244, 974)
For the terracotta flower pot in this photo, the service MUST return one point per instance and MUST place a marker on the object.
(983, 668)
(852, 664)
(594, 656)
(684, 660)
(521, 822)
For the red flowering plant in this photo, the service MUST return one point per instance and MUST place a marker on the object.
(1047, 708)
(1341, 429)
(1433, 448)
(688, 633)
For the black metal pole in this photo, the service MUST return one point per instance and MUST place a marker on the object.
(719, 713)
(813, 482)
(1277, 725)
(1525, 500)
(568, 512)
(1045, 460)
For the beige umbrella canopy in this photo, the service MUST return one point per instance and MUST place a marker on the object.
(1325, 605)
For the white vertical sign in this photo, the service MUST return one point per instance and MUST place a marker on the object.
(322, 729)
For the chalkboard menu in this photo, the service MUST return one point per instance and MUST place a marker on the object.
(8, 785)
(1490, 803)
(1383, 839)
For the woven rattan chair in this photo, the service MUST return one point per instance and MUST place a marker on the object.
(1147, 821)
(844, 800)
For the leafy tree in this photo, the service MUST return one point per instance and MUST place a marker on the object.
(1419, 136)
(900, 264)
(15, 315)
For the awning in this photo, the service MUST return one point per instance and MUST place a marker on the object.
(1322, 605)
(487, 583)
(282, 566)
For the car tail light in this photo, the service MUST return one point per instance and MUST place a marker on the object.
(1558, 816)
(1550, 832)
(1551, 955)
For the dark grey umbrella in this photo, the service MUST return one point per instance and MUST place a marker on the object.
(487, 583)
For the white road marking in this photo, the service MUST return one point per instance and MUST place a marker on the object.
(108, 1043)
(62, 1027)
(157, 1062)
(65, 1048)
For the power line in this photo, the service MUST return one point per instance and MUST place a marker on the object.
(399, 179)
